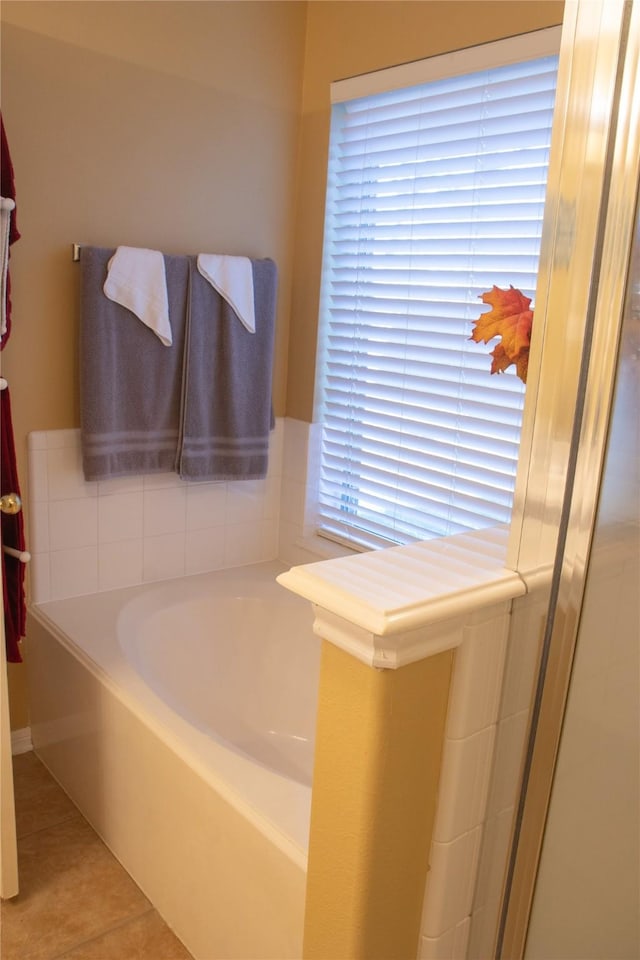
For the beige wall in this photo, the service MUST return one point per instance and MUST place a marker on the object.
(345, 39)
(171, 125)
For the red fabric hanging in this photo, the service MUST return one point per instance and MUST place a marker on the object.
(8, 190)
(12, 525)
(12, 536)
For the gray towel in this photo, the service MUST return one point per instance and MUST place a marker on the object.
(130, 383)
(227, 382)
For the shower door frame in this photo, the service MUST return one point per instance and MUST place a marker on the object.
(618, 30)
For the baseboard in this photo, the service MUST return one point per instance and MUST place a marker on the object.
(21, 741)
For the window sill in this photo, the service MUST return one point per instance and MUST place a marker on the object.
(325, 549)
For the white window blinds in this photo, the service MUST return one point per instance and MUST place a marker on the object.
(435, 193)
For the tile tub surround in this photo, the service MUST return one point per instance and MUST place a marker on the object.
(463, 801)
(86, 537)
(300, 478)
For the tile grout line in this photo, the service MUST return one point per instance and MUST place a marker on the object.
(50, 826)
(102, 933)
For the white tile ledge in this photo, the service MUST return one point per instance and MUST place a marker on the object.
(381, 606)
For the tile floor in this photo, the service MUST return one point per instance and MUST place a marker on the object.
(76, 902)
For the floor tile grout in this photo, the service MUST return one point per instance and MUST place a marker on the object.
(76, 815)
(102, 933)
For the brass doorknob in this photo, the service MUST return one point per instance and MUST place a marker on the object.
(10, 503)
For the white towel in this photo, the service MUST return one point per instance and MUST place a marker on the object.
(6, 206)
(136, 280)
(232, 277)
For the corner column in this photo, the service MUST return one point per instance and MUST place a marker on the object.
(377, 765)
(390, 621)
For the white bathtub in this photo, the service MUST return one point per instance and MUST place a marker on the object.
(179, 716)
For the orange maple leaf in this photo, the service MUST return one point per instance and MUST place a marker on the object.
(511, 319)
(502, 360)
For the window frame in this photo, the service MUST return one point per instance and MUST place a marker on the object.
(523, 47)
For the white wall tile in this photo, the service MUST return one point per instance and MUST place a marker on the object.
(450, 883)
(164, 510)
(254, 488)
(120, 564)
(206, 505)
(73, 523)
(438, 948)
(271, 500)
(157, 481)
(163, 556)
(243, 544)
(244, 501)
(38, 485)
(496, 837)
(452, 945)
(38, 528)
(150, 527)
(37, 440)
(63, 438)
(480, 944)
(288, 550)
(527, 622)
(39, 578)
(74, 572)
(314, 452)
(294, 460)
(204, 550)
(466, 777)
(477, 679)
(461, 939)
(527, 625)
(509, 749)
(120, 517)
(276, 447)
(464, 784)
(66, 480)
(120, 485)
(293, 501)
(270, 539)
(310, 515)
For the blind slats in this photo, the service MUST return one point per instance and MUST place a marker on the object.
(449, 133)
(435, 194)
(440, 114)
(443, 166)
(466, 84)
(433, 182)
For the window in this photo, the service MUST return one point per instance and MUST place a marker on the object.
(435, 193)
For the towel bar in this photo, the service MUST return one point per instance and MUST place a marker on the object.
(75, 252)
(22, 555)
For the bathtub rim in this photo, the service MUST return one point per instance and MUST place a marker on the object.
(195, 748)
